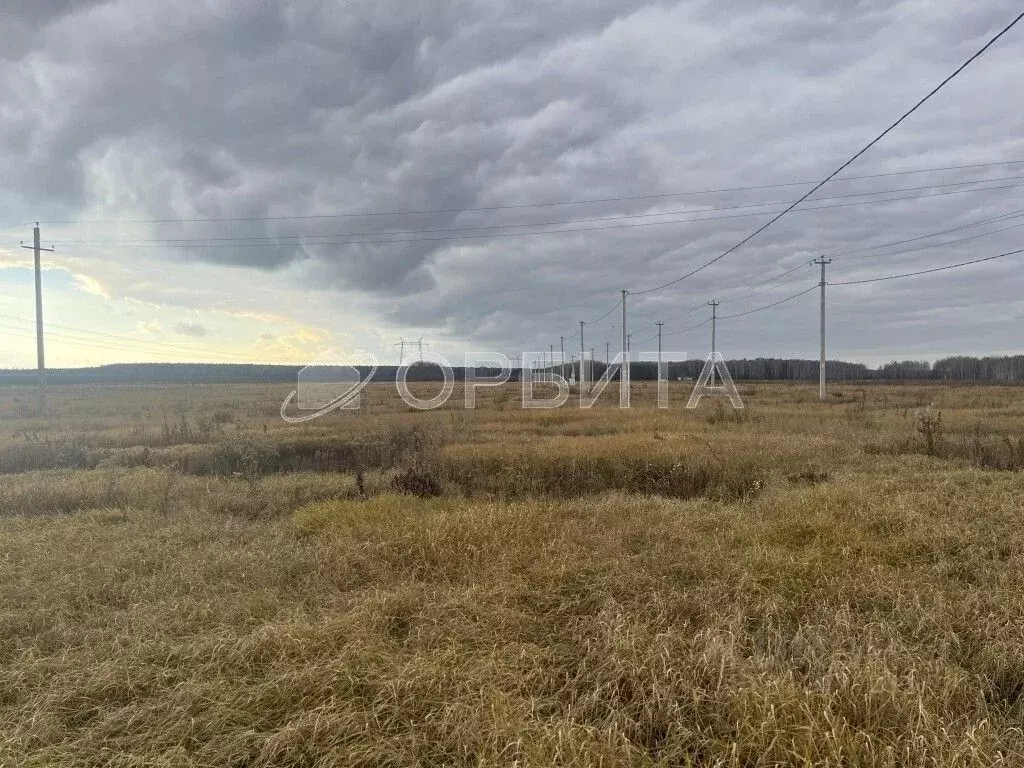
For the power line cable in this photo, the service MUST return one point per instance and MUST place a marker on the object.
(124, 341)
(744, 291)
(872, 280)
(846, 164)
(614, 306)
(776, 282)
(932, 245)
(494, 235)
(739, 314)
(100, 344)
(893, 253)
(589, 201)
(1001, 217)
(927, 271)
(293, 239)
(769, 306)
(687, 330)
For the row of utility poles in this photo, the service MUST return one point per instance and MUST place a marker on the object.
(714, 304)
(37, 250)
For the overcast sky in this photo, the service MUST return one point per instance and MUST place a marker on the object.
(270, 131)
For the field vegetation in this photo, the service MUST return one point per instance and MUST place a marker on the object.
(187, 580)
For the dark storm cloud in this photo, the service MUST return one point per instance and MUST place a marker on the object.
(21, 20)
(140, 110)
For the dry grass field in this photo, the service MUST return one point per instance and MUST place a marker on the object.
(187, 580)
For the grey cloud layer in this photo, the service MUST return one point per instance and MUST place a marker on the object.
(157, 110)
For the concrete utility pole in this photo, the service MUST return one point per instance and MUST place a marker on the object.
(593, 378)
(561, 360)
(629, 348)
(821, 366)
(551, 367)
(714, 319)
(624, 374)
(582, 355)
(40, 356)
(607, 356)
(659, 324)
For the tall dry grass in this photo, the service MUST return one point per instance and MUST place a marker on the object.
(570, 596)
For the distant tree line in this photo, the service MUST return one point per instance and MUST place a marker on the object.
(761, 368)
(959, 368)
(770, 368)
(159, 373)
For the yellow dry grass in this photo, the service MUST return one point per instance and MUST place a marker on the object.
(800, 584)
